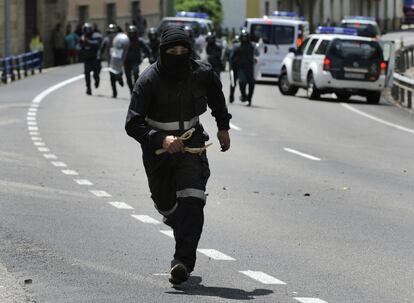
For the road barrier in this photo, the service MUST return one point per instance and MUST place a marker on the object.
(403, 87)
(15, 67)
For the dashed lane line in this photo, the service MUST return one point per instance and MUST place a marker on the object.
(43, 149)
(262, 277)
(100, 193)
(168, 233)
(146, 219)
(70, 172)
(58, 164)
(390, 124)
(310, 300)
(215, 254)
(120, 205)
(83, 182)
(296, 152)
(50, 156)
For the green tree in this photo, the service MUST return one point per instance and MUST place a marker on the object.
(211, 7)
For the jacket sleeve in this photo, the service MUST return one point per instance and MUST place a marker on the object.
(136, 125)
(217, 102)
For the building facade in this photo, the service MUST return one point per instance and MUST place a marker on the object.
(28, 16)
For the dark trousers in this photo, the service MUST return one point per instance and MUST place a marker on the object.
(177, 183)
(131, 70)
(114, 79)
(233, 87)
(246, 77)
(91, 66)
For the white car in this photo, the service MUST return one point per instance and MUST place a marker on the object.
(199, 23)
(338, 61)
(274, 36)
(365, 26)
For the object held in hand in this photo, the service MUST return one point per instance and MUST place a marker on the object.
(192, 150)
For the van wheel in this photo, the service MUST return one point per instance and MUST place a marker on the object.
(374, 98)
(343, 96)
(285, 87)
(312, 91)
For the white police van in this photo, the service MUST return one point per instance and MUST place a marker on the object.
(336, 60)
(365, 26)
(199, 23)
(275, 35)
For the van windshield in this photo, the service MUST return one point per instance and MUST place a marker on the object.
(273, 34)
(354, 49)
(364, 30)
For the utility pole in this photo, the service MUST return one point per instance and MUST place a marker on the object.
(7, 28)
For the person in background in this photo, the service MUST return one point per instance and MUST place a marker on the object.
(140, 22)
(36, 46)
(58, 45)
(154, 44)
(71, 41)
(134, 56)
(89, 46)
(214, 53)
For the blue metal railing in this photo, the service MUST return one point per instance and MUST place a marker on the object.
(15, 67)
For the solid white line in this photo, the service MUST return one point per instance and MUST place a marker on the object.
(146, 219)
(39, 98)
(58, 164)
(100, 193)
(120, 205)
(215, 254)
(34, 105)
(43, 149)
(70, 172)
(310, 300)
(83, 182)
(50, 156)
(39, 143)
(301, 154)
(235, 127)
(168, 233)
(357, 111)
(262, 277)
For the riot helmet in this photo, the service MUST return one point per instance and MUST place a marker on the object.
(111, 29)
(152, 34)
(188, 30)
(132, 31)
(210, 38)
(87, 29)
(244, 36)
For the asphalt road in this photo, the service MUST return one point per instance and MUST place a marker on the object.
(313, 204)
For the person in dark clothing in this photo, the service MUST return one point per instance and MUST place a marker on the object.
(154, 44)
(244, 57)
(163, 117)
(233, 70)
(134, 56)
(214, 53)
(89, 46)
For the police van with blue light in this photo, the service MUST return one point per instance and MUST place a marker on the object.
(364, 25)
(275, 35)
(336, 60)
(199, 22)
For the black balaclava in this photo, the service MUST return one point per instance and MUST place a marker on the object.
(174, 66)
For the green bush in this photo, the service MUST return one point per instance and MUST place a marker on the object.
(211, 7)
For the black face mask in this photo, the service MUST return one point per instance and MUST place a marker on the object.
(176, 66)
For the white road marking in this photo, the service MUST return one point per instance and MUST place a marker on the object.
(34, 105)
(50, 156)
(359, 112)
(39, 98)
(120, 205)
(32, 123)
(31, 114)
(43, 149)
(58, 164)
(32, 109)
(100, 193)
(34, 133)
(37, 139)
(39, 143)
(215, 254)
(70, 172)
(31, 119)
(302, 154)
(146, 219)
(262, 277)
(83, 182)
(310, 300)
(161, 274)
(30, 128)
(168, 233)
(235, 127)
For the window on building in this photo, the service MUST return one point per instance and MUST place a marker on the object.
(111, 13)
(267, 10)
(135, 7)
(83, 13)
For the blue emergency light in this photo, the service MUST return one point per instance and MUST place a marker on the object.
(362, 18)
(192, 15)
(336, 30)
(284, 14)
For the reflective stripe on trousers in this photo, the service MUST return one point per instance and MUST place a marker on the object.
(192, 192)
(167, 212)
(171, 126)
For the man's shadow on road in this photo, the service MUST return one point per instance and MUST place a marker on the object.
(193, 287)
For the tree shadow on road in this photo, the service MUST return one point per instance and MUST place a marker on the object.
(193, 287)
